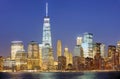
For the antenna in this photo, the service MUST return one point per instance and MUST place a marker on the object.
(46, 9)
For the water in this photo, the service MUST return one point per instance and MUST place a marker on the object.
(61, 75)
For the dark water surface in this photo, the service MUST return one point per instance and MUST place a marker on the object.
(61, 75)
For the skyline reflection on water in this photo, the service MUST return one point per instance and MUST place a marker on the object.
(61, 75)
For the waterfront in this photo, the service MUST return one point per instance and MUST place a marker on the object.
(60, 75)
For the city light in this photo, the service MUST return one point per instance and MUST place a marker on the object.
(88, 55)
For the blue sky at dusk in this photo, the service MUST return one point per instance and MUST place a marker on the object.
(23, 20)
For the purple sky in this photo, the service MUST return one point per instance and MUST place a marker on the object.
(23, 20)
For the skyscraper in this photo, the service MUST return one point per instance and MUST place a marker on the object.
(15, 47)
(78, 50)
(79, 40)
(88, 45)
(111, 50)
(59, 48)
(113, 55)
(96, 49)
(46, 46)
(102, 48)
(33, 56)
(46, 40)
(33, 50)
(68, 56)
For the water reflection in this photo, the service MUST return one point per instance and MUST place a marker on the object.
(88, 75)
(65, 75)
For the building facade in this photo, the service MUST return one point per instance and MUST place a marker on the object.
(21, 60)
(78, 51)
(79, 41)
(96, 49)
(59, 48)
(1, 63)
(66, 54)
(33, 60)
(118, 50)
(88, 45)
(111, 50)
(46, 46)
(16, 46)
(102, 49)
(61, 63)
(47, 40)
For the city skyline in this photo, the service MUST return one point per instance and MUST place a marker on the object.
(19, 25)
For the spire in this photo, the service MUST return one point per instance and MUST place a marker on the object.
(46, 9)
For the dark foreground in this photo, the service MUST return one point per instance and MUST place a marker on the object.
(61, 75)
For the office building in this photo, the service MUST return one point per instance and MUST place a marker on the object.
(96, 48)
(97, 61)
(61, 63)
(33, 60)
(40, 54)
(1, 63)
(76, 63)
(111, 50)
(102, 49)
(21, 60)
(79, 41)
(59, 48)
(118, 50)
(9, 65)
(78, 51)
(88, 45)
(66, 54)
(16, 46)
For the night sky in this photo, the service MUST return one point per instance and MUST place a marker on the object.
(23, 20)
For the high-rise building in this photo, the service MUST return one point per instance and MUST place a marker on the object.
(61, 63)
(33, 55)
(46, 47)
(79, 40)
(99, 48)
(46, 40)
(70, 58)
(15, 47)
(21, 60)
(1, 63)
(96, 49)
(76, 63)
(118, 50)
(88, 45)
(40, 54)
(102, 49)
(66, 54)
(113, 55)
(78, 50)
(97, 61)
(111, 50)
(33, 50)
(118, 45)
(59, 48)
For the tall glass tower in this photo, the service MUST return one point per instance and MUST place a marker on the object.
(46, 46)
(46, 40)
(88, 45)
